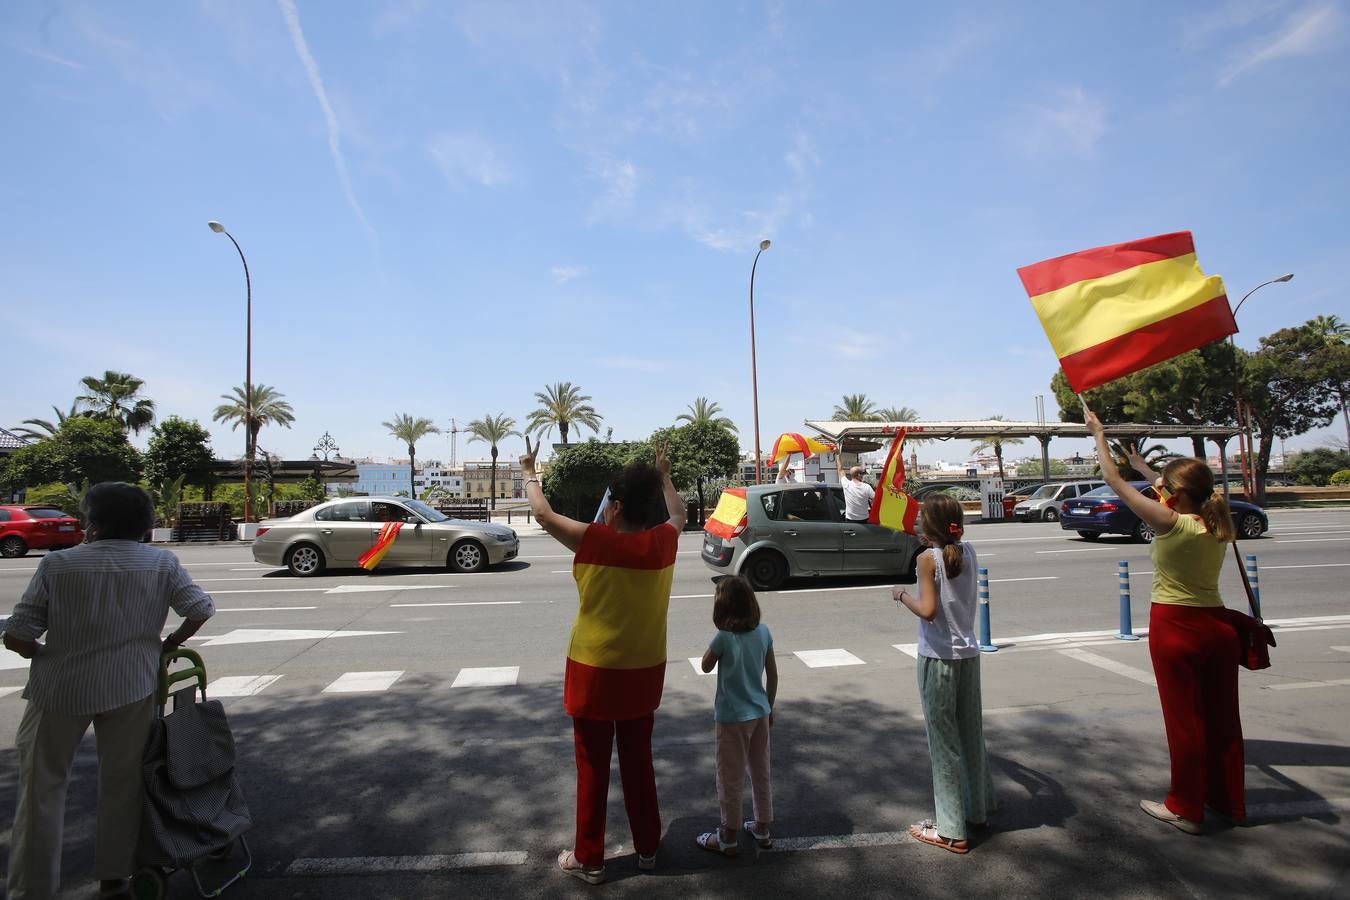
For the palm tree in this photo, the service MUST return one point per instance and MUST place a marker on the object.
(1332, 328)
(410, 431)
(268, 408)
(898, 414)
(996, 444)
(116, 396)
(855, 408)
(492, 430)
(44, 428)
(705, 412)
(562, 404)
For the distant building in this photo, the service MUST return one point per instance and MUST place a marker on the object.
(478, 479)
(377, 478)
(434, 473)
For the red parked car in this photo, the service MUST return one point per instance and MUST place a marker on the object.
(24, 528)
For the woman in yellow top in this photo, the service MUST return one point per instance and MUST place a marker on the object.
(1192, 643)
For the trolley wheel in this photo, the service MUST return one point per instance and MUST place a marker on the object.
(149, 884)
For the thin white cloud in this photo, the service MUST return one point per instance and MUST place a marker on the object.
(852, 344)
(619, 177)
(1071, 119)
(1308, 31)
(634, 364)
(292, 17)
(564, 274)
(49, 57)
(468, 156)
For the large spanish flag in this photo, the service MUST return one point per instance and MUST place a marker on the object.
(891, 506)
(1110, 311)
(791, 442)
(616, 659)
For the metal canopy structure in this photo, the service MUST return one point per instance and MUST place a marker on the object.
(289, 471)
(868, 436)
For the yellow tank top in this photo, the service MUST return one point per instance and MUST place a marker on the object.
(1186, 564)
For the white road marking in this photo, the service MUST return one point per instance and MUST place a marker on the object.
(691, 596)
(1298, 685)
(561, 572)
(864, 587)
(1314, 540)
(1111, 665)
(363, 682)
(240, 685)
(1342, 649)
(911, 650)
(1309, 620)
(487, 676)
(263, 608)
(375, 588)
(259, 569)
(263, 635)
(1032, 578)
(216, 580)
(1293, 808)
(1308, 566)
(697, 663)
(1299, 533)
(461, 603)
(821, 659)
(842, 841)
(6, 691)
(1077, 550)
(322, 590)
(375, 865)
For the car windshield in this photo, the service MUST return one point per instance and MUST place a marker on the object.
(1045, 492)
(1104, 491)
(425, 511)
(44, 512)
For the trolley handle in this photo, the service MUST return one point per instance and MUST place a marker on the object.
(168, 679)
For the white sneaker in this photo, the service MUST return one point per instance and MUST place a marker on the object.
(1163, 814)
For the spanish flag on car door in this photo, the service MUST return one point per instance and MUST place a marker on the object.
(1113, 310)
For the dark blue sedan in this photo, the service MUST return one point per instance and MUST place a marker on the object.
(1101, 511)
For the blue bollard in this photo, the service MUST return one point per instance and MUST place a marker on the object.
(986, 638)
(1126, 627)
(1254, 576)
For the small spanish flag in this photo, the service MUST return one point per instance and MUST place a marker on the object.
(1114, 310)
(891, 506)
(371, 558)
(728, 519)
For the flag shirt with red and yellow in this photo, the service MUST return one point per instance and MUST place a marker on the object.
(616, 658)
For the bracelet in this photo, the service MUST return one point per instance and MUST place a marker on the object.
(533, 481)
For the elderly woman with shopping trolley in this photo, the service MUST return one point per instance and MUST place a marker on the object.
(102, 606)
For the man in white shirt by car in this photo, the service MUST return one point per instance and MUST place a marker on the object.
(857, 493)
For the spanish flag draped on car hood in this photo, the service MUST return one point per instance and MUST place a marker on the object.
(891, 506)
(1113, 310)
(616, 659)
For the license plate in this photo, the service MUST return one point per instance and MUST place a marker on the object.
(1080, 510)
(65, 528)
(711, 547)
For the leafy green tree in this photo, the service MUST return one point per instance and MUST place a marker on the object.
(410, 430)
(897, 414)
(268, 407)
(1341, 477)
(492, 430)
(1316, 466)
(1031, 468)
(563, 405)
(167, 495)
(45, 428)
(178, 448)
(1336, 359)
(855, 408)
(313, 489)
(698, 453)
(703, 411)
(82, 450)
(117, 396)
(55, 494)
(996, 444)
(576, 479)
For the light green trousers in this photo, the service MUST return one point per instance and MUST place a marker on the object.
(963, 790)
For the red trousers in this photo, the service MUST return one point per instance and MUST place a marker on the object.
(1195, 660)
(593, 740)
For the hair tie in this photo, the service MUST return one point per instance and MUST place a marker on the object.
(956, 530)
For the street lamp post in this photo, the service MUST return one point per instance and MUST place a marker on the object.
(1244, 414)
(754, 374)
(248, 374)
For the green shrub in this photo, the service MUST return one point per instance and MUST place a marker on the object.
(1341, 477)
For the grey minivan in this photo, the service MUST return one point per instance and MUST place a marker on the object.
(792, 530)
(1043, 504)
(336, 533)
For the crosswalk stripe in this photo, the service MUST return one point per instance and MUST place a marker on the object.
(6, 691)
(240, 685)
(822, 659)
(363, 682)
(1297, 685)
(697, 663)
(487, 676)
(1110, 665)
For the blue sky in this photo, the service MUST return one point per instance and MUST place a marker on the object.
(447, 205)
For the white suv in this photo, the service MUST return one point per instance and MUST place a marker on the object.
(1043, 506)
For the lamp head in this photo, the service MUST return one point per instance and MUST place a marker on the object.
(1285, 277)
(215, 226)
(764, 245)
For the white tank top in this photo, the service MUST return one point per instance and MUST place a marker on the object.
(951, 634)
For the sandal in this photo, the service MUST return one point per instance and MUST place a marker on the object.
(712, 840)
(926, 832)
(762, 838)
(568, 862)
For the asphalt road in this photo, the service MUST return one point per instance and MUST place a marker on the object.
(401, 734)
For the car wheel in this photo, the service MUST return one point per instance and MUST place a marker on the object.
(1050, 515)
(305, 560)
(766, 570)
(13, 547)
(1088, 535)
(467, 556)
(1250, 526)
(1143, 532)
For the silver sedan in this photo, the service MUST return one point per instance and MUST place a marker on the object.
(336, 533)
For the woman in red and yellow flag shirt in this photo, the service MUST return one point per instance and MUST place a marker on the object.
(616, 658)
